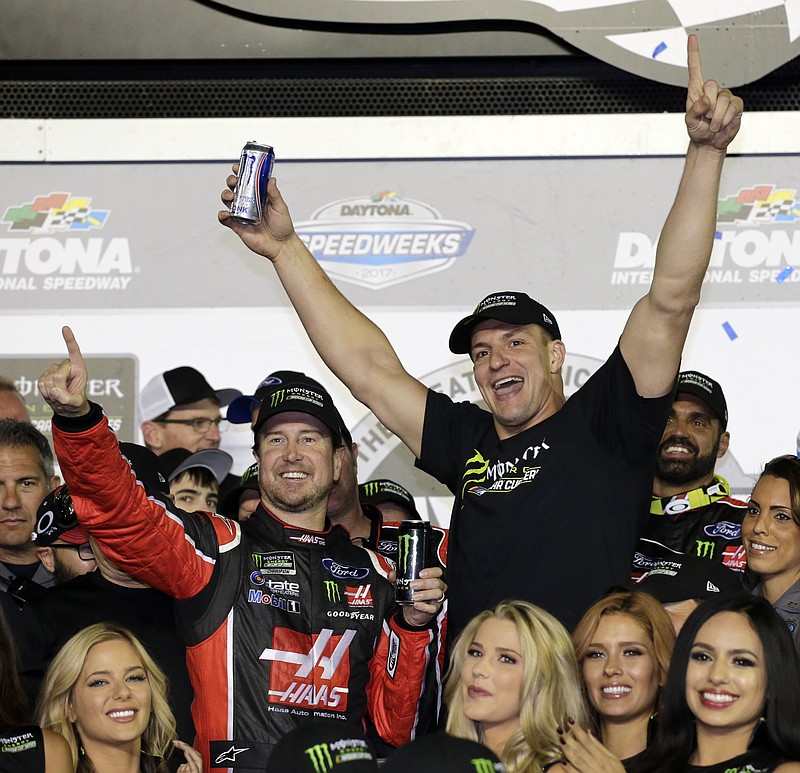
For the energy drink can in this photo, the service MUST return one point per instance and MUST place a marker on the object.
(250, 194)
(413, 541)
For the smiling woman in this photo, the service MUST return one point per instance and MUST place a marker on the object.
(771, 535)
(105, 694)
(731, 701)
(513, 681)
(624, 643)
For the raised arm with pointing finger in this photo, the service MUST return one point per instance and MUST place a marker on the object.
(266, 607)
(549, 493)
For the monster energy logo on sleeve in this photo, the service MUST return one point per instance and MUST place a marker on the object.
(482, 765)
(320, 757)
(277, 397)
(404, 542)
(332, 589)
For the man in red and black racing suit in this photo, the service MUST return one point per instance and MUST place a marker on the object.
(281, 622)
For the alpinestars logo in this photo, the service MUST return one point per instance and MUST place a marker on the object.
(47, 238)
(230, 755)
(383, 239)
(309, 670)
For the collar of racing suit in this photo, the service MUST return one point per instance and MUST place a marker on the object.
(698, 497)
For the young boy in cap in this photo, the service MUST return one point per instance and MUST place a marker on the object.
(194, 478)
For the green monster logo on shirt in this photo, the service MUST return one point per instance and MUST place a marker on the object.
(471, 474)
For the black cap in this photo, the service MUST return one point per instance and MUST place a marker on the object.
(56, 520)
(683, 576)
(240, 410)
(146, 466)
(304, 396)
(248, 482)
(709, 391)
(515, 308)
(443, 753)
(375, 492)
(177, 387)
(323, 746)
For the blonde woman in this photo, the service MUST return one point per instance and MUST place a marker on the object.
(513, 681)
(107, 696)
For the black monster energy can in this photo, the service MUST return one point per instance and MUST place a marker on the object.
(413, 540)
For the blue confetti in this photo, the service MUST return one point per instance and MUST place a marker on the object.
(784, 275)
(717, 234)
(726, 326)
(659, 48)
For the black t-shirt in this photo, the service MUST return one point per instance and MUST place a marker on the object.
(760, 759)
(22, 750)
(552, 514)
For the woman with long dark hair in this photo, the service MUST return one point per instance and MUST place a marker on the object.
(771, 535)
(731, 700)
(24, 747)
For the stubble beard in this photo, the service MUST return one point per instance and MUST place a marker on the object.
(299, 502)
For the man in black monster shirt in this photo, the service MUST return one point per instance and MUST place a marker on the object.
(550, 495)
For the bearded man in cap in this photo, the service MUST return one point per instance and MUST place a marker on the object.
(550, 495)
(284, 618)
(691, 510)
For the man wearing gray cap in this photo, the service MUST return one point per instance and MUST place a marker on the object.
(691, 510)
(550, 495)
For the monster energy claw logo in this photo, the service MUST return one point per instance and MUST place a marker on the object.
(370, 489)
(332, 589)
(705, 549)
(404, 548)
(482, 765)
(320, 758)
(277, 397)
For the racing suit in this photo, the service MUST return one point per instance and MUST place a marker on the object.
(706, 522)
(280, 623)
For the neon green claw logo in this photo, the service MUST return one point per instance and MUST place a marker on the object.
(320, 758)
(404, 542)
(332, 589)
